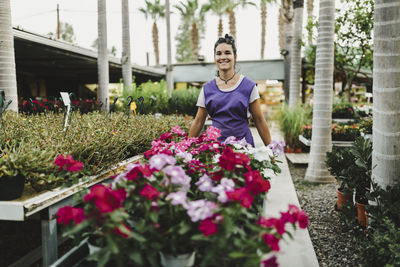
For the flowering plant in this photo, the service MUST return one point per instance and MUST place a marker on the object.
(187, 194)
(340, 132)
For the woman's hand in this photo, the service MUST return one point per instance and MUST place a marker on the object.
(259, 121)
(198, 122)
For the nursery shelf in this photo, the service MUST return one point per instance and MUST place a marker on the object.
(342, 120)
(31, 202)
(307, 142)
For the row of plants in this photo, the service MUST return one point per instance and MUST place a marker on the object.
(146, 98)
(29, 144)
(188, 198)
(378, 210)
(348, 131)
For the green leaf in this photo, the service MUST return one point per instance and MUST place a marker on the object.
(237, 254)
(138, 237)
(183, 228)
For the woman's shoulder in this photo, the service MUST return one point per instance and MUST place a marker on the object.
(248, 81)
(209, 83)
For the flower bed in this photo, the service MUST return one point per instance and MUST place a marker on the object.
(30, 144)
(187, 194)
(340, 132)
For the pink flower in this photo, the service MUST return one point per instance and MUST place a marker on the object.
(208, 227)
(177, 198)
(205, 183)
(69, 213)
(212, 133)
(106, 199)
(227, 159)
(271, 262)
(149, 192)
(241, 195)
(271, 241)
(68, 163)
(279, 224)
(302, 219)
(166, 136)
(178, 131)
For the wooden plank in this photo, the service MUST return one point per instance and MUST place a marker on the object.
(297, 158)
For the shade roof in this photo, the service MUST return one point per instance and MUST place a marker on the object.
(45, 56)
(254, 69)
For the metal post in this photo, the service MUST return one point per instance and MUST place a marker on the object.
(58, 22)
(49, 241)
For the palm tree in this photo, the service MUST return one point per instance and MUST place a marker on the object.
(126, 46)
(155, 10)
(170, 77)
(321, 140)
(193, 15)
(310, 9)
(386, 93)
(263, 5)
(231, 5)
(285, 39)
(8, 79)
(217, 7)
(102, 58)
(295, 58)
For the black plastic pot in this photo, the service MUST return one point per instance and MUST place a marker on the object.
(11, 187)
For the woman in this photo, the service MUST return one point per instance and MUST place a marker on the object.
(229, 99)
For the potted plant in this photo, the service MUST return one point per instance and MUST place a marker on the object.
(12, 180)
(361, 173)
(188, 198)
(338, 161)
(291, 121)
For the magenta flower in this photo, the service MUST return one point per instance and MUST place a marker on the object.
(271, 241)
(201, 209)
(158, 161)
(208, 227)
(68, 163)
(271, 262)
(302, 219)
(177, 198)
(106, 199)
(68, 213)
(150, 192)
(205, 183)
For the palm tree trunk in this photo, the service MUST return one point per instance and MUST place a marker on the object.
(170, 77)
(232, 23)
(220, 27)
(263, 26)
(8, 79)
(155, 43)
(286, 34)
(281, 26)
(321, 139)
(102, 58)
(126, 46)
(310, 9)
(386, 94)
(195, 41)
(295, 58)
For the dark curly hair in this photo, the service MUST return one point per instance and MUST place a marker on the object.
(228, 39)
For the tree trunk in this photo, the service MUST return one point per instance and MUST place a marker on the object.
(220, 27)
(286, 34)
(263, 26)
(386, 94)
(155, 43)
(170, 77)
(295, 58)
(8, 80)
(310, 9)
(281, 25)
(126, 47)
(102, 58)
(321, 139)
(195, 41)
(232, 23)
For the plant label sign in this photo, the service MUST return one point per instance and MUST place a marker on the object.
(67, 103)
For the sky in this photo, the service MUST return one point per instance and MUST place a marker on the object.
(41, 17)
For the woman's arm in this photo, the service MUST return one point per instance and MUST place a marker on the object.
(198, 122)
(259, 121)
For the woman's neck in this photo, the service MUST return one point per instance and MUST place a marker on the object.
(224, 75)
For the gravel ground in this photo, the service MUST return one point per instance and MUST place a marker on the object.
(331, 236)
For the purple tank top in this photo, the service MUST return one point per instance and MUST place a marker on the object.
(228, 110)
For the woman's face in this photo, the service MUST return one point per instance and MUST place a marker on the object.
(224, 57)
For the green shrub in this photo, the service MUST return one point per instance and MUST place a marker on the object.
(97, 140)
(291, 121)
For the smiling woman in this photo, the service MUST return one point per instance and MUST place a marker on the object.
(230, 99)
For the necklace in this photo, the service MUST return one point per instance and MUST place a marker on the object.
(227, 80)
